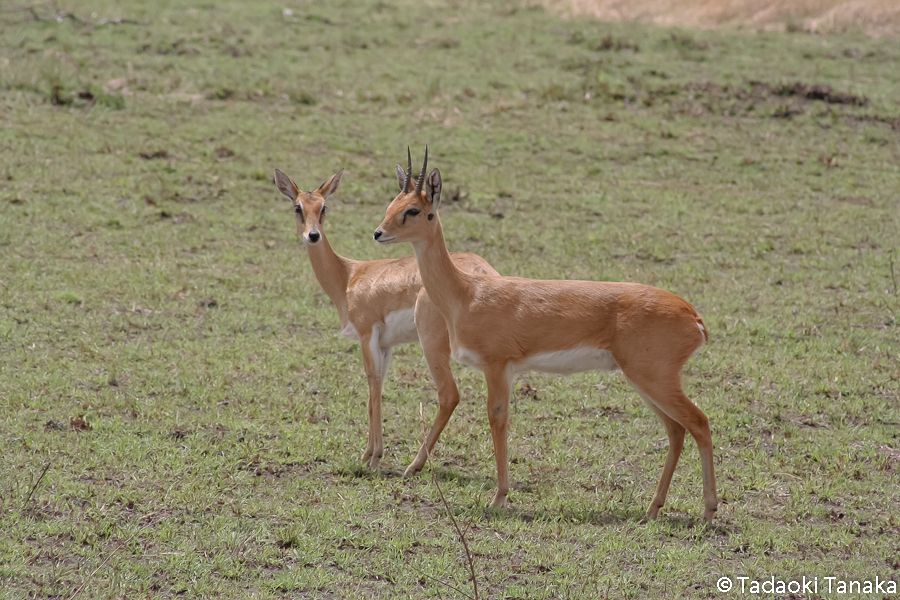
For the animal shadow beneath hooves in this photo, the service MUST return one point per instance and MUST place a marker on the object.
(587, 516)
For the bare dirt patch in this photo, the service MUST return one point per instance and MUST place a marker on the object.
(875, 17)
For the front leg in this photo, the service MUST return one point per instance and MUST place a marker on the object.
(499, 380)
(375, 363)
(435, 342)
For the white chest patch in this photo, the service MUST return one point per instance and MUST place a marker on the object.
(567, 362)
(466, 357)
(399, 328)
(350, 332)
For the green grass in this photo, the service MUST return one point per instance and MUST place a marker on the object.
(166, 350)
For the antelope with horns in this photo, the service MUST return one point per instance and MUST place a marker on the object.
(381, 304)
(503, 325)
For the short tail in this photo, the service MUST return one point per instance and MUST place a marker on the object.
(703, 329)
(703, 332)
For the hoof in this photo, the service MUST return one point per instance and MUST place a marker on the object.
(499, 502)
(652, 513)
(374, 461)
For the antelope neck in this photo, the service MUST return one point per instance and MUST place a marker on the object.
(333, 272)
(443, 281)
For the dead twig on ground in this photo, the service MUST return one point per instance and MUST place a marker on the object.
(893, 279)
(55, 14)
(441, 581)
(107, 559)
(59, 16)
(446, 504)
(118, 22)
(34, 487)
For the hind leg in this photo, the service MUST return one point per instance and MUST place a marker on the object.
(676, 445)
(664, 394)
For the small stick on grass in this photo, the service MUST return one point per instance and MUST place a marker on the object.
(107, 559)
(34, 487)
(893, 279)
(57, 15)
(454, 588)
(446, 504)
(118, 22)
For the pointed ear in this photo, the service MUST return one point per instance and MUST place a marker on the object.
(286, 186)
(401, 176)
(330, 186)
(433, 187)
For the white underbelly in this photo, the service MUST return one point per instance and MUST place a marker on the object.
(466, 357)
(399, 328)
(350, 332)
(567, 362)
(561, 362)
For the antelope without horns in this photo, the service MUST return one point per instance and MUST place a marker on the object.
(381, 303)
(504, 325)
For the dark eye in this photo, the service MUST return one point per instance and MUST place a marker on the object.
(410, 213)
(298, 209)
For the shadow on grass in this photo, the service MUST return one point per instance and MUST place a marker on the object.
(591, 515)
(627, 512)
(581, 516)
(362, 471)
(442, 474)
(672, 524)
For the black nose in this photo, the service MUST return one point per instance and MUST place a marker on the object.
(377, 233)
(314, 236)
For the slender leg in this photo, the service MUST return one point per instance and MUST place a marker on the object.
(375, 363)
(676, 445)
(435, 342)
(498, 385)
(664, 392)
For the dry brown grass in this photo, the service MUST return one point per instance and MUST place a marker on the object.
(874, 17)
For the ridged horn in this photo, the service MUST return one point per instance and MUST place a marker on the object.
(421, 179)
(408, 171)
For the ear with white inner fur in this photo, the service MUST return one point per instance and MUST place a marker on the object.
(401, 176)
(330, 186)
(433, 187)
(286, 186)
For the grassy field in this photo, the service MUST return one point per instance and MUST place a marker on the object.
(181, 418)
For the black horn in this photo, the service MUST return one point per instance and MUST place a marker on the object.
(421, 179)
(408, 171)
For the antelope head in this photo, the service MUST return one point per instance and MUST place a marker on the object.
(309, 207)
(412, 214)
